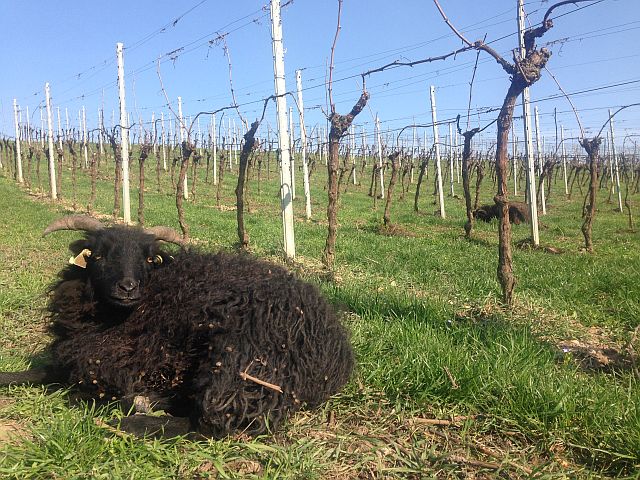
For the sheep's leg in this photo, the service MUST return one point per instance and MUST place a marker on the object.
(141, 425)
(149, 402)
(35, 376)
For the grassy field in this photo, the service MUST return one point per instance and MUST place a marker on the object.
(448, 383)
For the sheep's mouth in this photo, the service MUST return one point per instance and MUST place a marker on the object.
(124, 301)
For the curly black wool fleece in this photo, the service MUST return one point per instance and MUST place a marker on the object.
(518, 213)
(204, 319)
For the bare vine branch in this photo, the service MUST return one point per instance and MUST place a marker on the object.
(331, 67)
(478, 44)
(398, 63)
(473, 76)
(164, 92)
(225, 48)
(614, 114)
(559, 4)
(569, 100)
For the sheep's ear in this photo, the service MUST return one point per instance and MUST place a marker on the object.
(81, 259)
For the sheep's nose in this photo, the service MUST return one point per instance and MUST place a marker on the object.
(128, 284)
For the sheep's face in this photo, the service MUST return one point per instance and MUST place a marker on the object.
(119, 261)
(482, 214)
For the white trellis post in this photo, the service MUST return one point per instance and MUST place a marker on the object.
(425, 144)
(28, 127)
(514, 159)
(325, 133)
(363, 139)
(303, 141)
(80, 125)
(564, 161)
(526, 114)
(293, 155)
(130, 137)
(457, 154)
(164, 145)
(124, 137)
(354, 153)
(451, 164)
(514, 154)
(214, 146)
(539, 151)
(200, 137)
(18, 153)
(230, 143)
(283, 136)
(42, 135)
(614, 162)
(52, 163)
(414, 146)
(59, 129)
(236, 143)
(154, 134)
(183, 138)
(84, 138)
(101, 130)
(436, 142)
(380, 164)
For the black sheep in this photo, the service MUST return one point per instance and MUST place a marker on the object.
(233, 343)
(518, 212)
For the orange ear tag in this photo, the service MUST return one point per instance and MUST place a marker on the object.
(81, 259)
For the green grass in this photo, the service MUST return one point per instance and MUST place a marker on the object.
(430, 337)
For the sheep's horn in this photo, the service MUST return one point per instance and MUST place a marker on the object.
(74, 222)
(166, 234)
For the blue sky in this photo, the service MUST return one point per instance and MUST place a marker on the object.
(71, 44)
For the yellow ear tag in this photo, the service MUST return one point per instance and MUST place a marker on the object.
(81, 259)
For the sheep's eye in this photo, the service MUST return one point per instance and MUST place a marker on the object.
(156, 259)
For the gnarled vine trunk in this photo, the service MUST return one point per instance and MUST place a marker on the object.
(466, 154)
(339, 126)
(392, 182)
(592, 148)
(247, 148)
(187, 149)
